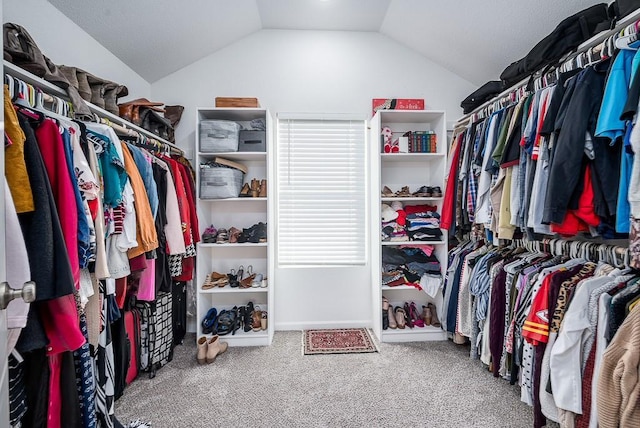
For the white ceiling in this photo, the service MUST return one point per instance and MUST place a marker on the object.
(474, 39)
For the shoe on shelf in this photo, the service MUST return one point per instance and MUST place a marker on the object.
(401, 317)
(436, 192)
(263, 284)
(387, 193)
(209, 321)
(407, 315)
(201, 355)
(256, 319)
(208, 283)
(234, 233)
(233, 278)
(257, 281)
(426, 315)
(215, 347)
(263, 321)
(392, 318)
(255, 188)
(404, 192)
(209, 235)
(223, 236)
(248, 317)
(245, 192)
(263, 189)
(423, 192)
(434, 315)
(248, 280)
(385, 303)
(413, 311)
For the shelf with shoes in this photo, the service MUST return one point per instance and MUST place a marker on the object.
(237, 229)
(407, 197)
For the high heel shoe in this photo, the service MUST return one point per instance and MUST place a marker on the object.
(248, 317)
(407, 315)
(255, 188)
(263, 189)
(401, 317)
(246, 282)
(385, 313)
(413, 311)
(392, 318)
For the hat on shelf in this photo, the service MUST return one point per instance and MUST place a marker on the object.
(388, 213)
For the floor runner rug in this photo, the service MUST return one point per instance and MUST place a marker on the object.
(337, 341)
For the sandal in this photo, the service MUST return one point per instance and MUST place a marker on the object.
(208, 283)
(404, 192)
(223, 237)
(234, 233)
(246, 282)
(227, 322)
(263, 321)
(248, 317)
(233, 278)
(219, 279)
(256, 319)
(209, 321)
(257, 281)
(414, 315)
(387, 193)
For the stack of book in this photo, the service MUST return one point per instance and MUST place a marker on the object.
(422, 141)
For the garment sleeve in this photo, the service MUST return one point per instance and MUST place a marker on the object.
(173, 229)
(566, 355)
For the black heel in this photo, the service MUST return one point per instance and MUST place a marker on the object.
(248, 317)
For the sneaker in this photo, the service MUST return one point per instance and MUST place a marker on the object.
(209, 235)
(436, 192)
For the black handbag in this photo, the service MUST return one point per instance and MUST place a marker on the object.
(482, 94)
(157, 124)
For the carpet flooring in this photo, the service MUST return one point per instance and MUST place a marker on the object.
(427, 384)
(337, 341)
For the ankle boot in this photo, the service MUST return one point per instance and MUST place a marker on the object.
(263, 189)
(201, 356)
(427, 316)
(434, 315)
(392, 318)
(255, 188)
(214, 348)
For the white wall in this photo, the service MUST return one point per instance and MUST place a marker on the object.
(313, 71)
(65, 43)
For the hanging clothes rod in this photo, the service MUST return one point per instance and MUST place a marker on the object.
(615, 255)
(106, 117)
(568, 59)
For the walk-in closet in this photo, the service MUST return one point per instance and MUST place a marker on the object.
(320, 213)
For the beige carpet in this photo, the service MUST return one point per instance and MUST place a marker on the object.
(432, 384)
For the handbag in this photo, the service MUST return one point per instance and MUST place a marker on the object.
(622, 8)
(155, 123)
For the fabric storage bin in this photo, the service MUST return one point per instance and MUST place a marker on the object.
(217, 136)
(252, 141)
(220, 182)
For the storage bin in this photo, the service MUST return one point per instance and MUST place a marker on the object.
(218, 136)
(252, 141)
(220, 182)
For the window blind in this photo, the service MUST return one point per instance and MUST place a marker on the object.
(321, 201)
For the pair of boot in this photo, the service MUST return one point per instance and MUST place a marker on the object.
(257, 189)
(210, 348)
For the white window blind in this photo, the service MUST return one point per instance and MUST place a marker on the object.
(321, 192)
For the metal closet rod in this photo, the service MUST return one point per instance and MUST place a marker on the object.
(592, 42)
(594, 251)
(108, 117)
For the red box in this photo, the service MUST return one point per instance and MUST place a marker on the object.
(397, 104)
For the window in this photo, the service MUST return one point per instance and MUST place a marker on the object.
(321, 191)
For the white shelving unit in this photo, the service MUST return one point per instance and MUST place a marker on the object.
(396, 170)
(240, 213)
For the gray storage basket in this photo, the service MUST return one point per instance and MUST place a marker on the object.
(220, 182)
(219, 136)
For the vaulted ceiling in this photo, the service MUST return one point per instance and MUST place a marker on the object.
(475, 39)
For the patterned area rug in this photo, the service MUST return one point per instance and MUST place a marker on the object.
(338, 341)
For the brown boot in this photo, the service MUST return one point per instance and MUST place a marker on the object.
(434, 315)
(201, 356)
(255, 188)
(256, 319)
(263, 189)
(214, 348)
(427, 315)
